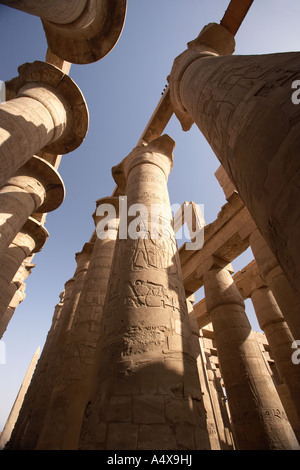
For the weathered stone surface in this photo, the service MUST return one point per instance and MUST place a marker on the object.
(79, 31)
(243, 106)
(46, 111)
(145, 308)
(258, 417)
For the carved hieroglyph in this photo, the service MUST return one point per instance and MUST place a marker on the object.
(258, 418)
(148, 394)
(29, 426)
(75, 378)
(243, 106)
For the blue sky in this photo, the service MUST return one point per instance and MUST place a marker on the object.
(122, 91)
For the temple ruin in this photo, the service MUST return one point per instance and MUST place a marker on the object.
(132, 361)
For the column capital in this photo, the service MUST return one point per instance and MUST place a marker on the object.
(40, 73)
(37, 232)
(110, 200)
(152, 153)
(214, 262)
(48, 176)
(92, 35)
(213, 40)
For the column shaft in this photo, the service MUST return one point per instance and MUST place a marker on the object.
(148, 393)
(26, 126)
(17, 205)
(44, 385)
(46, 111)
(58, 11)
(258, 418)
(243, 106)
(272, 274)
(73, 385)
(280, 340)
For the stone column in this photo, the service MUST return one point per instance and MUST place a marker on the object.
(35, 187)
(272, 274)
(47, 112)
(280, 340)
(243, 106)
(213, 431)
(73, 385)
(58, 11)
(40, 374)
(14, 294)
(17, 296)
(258, 418)
(78, 31)
(31, 239)
(149, 394)
(54, 353)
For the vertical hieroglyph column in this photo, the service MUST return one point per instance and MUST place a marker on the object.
(258, 418)
(243, 106)
(148, 394)
(272, 274)
(79, 31)
(47, 112)
(280, 340)
(54, 353)
(71, 391)
(35, 187)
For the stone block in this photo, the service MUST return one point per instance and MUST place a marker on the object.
(158, 437)
(122, 436)
(148, 409)
(180, 410)
(120, 409)
(185, 436)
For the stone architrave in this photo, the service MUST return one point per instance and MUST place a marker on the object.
(243, 106)
(258, 418)
(72, 387)
(46, 375)
(35, 187)
(78, 31)
(148, 394)
(47, 111)
(269, 269)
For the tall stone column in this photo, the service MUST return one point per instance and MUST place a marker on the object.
(54, 352)
(148, 394)
(243, 106)
(35, 187)
(29, 240)
(47, 112)
(78, 31)
(213, 431)
(74, 383)
(286, 297)
(258, 418)
(14, 294)
(39, 377)
(280, 340)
